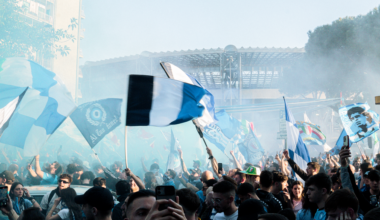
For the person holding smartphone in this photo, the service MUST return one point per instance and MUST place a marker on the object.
(21, 198)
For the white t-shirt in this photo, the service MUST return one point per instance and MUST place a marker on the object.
(221, 216)
(64, 214)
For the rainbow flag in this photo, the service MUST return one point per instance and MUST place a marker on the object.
(311, 134)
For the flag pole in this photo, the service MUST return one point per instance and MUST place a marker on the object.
(199, 130)
(96, 155)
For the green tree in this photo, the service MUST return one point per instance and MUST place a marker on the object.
(38, 40)
(340, 57)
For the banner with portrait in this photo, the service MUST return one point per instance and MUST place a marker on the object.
(358, 121)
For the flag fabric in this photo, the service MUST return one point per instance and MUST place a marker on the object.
(296, 147)
(155, 101)
(207, 101)
(255, 151)
(375, 144)
(7, 111)
(44, 106)
(358, 121)
(311, 134)
(339, 144)
(174, 161)
(97, 119)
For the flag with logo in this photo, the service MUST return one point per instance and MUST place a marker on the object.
(98, 118)
(44, 106)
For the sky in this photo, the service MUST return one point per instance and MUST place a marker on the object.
(117, 28)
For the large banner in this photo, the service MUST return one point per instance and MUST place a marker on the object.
(358, 121)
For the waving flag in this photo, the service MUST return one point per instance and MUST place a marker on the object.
(96, 119)
(358, 121)
(156, 101)
(7, 111)
(44, 106)
(297, 148)
(207, 101)
(174, 162)
(339, 144)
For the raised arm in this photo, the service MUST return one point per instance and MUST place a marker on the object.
(183, 165)
(284, 169)
(295, 167)
(143, 165)
(31, 171)
(237, 164)
(38, 167)
(137, 180)
(213, 161)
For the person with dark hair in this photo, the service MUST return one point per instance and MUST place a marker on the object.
(32, 213)
(117, 168)
(97, 203)
(169, 178)
(296, 196)
(247, 191)
(48, 178)
(71, 210)
(266, 180)
(312, 167)
(190, 203)
(239, 177)
(374, 185)
(373, 214)
(20, 203)
(192, 176)
(250, 209)
(98, 170)
(123, 190)
(7, 179)
(363, 182)
(318, 189)
(87, 178)
(280, 189)
(342, 202)
(14, 169)
(288, 213)
(99, 181)
(47, 201)
(150, 181)
(336, 183)
(71, 169)
(224, 201)
(139, 204)
(134, 181)
(78, 173)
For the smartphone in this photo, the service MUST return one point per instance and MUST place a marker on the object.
(220, 168)
(346, 142)
(165, 192)
(3, 195)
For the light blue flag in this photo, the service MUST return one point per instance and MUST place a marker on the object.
(174, 162)
(339, 144)
(296, 147)
(44, 106)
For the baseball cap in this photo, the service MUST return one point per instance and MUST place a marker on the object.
(252, 170)
(198, 162)
(7, 175)
(97, 197)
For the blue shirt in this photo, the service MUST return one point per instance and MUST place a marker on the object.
(320, 214)
(49, 179)
(201, 196)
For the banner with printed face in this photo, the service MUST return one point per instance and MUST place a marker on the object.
(358, 121)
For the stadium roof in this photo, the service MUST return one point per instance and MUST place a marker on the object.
(260, 66)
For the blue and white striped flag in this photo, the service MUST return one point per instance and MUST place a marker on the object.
(155, 101)
(44, 106)
(207, 101)
(296, 147)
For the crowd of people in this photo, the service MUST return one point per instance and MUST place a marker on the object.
(335, 187)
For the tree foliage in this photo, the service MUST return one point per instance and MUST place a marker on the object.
(18, 37)
(340, 57)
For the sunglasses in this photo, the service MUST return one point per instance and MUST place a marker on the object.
(62, 181)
